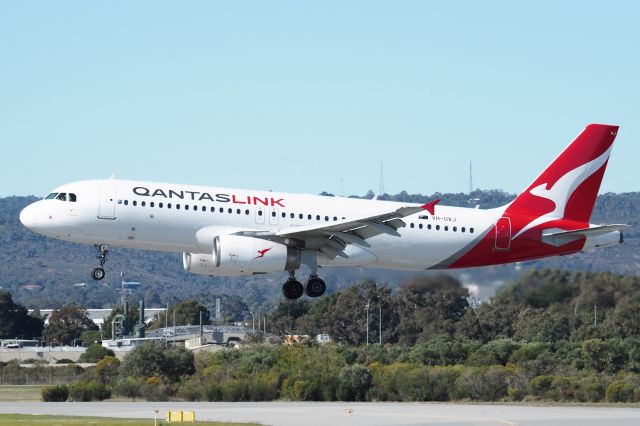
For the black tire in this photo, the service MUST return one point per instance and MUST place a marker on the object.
(315, 287)
(292, 289)
(97, 274)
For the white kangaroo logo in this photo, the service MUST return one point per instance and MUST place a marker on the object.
(560, 192)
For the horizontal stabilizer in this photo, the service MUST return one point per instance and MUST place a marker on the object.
(558, 237)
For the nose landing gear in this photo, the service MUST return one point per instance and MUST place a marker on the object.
(98, 273)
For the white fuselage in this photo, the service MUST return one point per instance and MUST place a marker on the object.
(184, 218)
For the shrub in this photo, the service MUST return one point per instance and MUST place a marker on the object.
(620, 391)
(128, 387)
(65, 361)
(58, 393)
(540, 385)
(590, 389)
(89, 391)
(95, 352)
(190, 390)
(483, 384)
(354, 382)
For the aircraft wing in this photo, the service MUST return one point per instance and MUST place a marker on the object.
(331, 238)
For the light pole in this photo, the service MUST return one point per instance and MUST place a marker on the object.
(253, 320)
(379, 321)
(368, 322)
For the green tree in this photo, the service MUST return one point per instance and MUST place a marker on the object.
(429, 306)
(185, 312)
(152, 360)
(15, 320)
(67, 324)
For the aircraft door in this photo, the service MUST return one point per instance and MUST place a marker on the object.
(107, 208)
(260, 214)
(503, 234)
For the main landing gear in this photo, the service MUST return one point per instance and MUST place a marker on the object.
(98, 273)
(293, 289)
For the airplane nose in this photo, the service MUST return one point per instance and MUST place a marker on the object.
(28, 217)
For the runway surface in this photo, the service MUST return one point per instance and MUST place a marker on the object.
(340, 413)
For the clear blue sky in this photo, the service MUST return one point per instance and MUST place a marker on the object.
(299, 96)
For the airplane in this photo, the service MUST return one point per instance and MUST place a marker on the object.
(234, 232)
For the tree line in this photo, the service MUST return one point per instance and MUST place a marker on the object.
(550, 335)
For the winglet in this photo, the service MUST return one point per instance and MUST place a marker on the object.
(431, 206)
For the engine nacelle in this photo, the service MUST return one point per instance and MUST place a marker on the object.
(236, 255)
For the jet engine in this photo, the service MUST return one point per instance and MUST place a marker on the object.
(235, 255)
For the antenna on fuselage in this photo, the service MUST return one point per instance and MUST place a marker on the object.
(113, 175)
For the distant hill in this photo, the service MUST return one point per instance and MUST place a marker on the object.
(42, 272)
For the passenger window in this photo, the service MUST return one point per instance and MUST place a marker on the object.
(126, 202)
(221, 210)
(213, 209)
(411, 225)
(177, 206)
(273, 214)
(292, 215)
(238, 211)
(471, 230)
(455, 229)
(152, 204)
(300, 216)
(186, 206)
(462, 229)
(168, 205)
(246, 212)
(437, 227)
(72, 198)
(229, 211)
(204, 208)
(326, 218)
(446, 228)
(309, 217)
(259, 212)
(420, 225)
(335, 218)
(160, 205)
(317, 217)
(144, 203)
(135, 203)
(429, 226)
(284, 215)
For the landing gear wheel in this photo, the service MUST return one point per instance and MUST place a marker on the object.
(292, 289)
(315, 287)
(103, 250)
(97, 274)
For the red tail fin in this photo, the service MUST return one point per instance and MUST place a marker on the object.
(569, 186)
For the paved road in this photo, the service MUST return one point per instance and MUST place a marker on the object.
(356, 414)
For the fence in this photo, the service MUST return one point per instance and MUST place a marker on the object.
(13, 374)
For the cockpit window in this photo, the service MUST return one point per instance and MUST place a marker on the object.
(62, 196)
(51, 196)
(72, 197)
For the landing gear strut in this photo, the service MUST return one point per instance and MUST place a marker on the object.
(103, 250)
(292, 289)
(315, 286)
